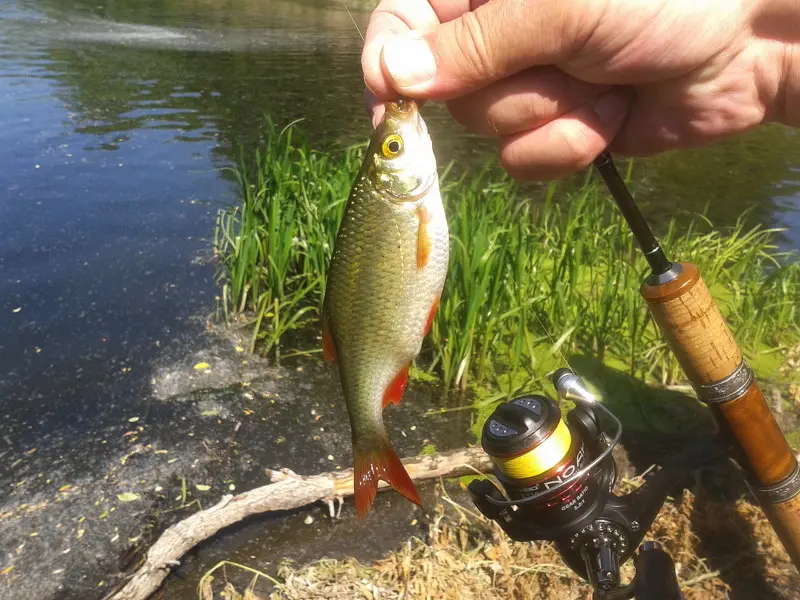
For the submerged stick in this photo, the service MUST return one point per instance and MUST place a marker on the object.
(286, 492)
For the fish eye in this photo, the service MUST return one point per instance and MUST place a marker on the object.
(392, 146)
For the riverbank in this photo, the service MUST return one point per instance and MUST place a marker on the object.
(207, 421)
(218, 417)
(533, 281)
(722, 549)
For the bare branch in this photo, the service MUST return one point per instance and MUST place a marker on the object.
(286, 491)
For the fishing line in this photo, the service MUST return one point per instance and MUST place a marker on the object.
(353, 20)
(552, 341)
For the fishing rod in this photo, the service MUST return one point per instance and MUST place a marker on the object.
(696, 332)
(558, 474)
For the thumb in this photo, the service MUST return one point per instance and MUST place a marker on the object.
(495, 40)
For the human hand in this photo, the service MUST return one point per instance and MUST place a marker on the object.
(557, 82)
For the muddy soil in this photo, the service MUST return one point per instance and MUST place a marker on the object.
(207, 420)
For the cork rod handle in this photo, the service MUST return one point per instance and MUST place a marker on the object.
(696, 332)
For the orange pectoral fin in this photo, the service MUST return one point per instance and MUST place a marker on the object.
(431, 315)
(328, 347)
(394, 391)
(380, 463)
(424, 241)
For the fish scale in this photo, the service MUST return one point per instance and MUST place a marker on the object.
(386, 275)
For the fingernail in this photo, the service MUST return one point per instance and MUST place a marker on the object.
(409, 60)
(611, 107)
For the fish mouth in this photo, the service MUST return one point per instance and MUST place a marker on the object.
(402, 108)
(405, 110)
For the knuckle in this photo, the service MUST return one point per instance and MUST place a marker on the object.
(474, 44)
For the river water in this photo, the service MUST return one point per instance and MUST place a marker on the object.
(118, 119)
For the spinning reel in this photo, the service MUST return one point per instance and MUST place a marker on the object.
(558, 478)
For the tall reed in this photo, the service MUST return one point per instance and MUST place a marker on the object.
(526, 278)
(273, 247)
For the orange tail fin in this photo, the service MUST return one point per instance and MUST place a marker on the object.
(380, 462)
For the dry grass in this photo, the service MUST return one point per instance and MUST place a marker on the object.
(721, 550)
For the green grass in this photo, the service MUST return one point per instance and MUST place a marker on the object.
(793, 438)
(528, 279)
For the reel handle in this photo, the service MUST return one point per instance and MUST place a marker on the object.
(655, 575)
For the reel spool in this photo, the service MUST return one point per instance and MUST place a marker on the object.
(534, 451)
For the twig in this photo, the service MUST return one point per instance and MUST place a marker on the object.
(286, 491)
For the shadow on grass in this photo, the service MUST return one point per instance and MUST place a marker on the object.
(658, 424)
(736, 542)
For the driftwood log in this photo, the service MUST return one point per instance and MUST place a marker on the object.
(286, 491)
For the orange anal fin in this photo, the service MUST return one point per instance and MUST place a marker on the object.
(380, 463)
(424, 241)
(394, 391)
(431, 315)
(328, 347)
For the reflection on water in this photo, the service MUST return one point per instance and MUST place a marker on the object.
(756, 172)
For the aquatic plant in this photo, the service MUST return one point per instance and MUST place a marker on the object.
(528, 277)
(273, 246)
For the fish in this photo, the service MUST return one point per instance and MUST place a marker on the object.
(385, 279)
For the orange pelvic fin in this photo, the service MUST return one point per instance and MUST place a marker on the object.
(394, 391)
(431, 315)
(377, 463)
(328, 347)
(424, 241)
